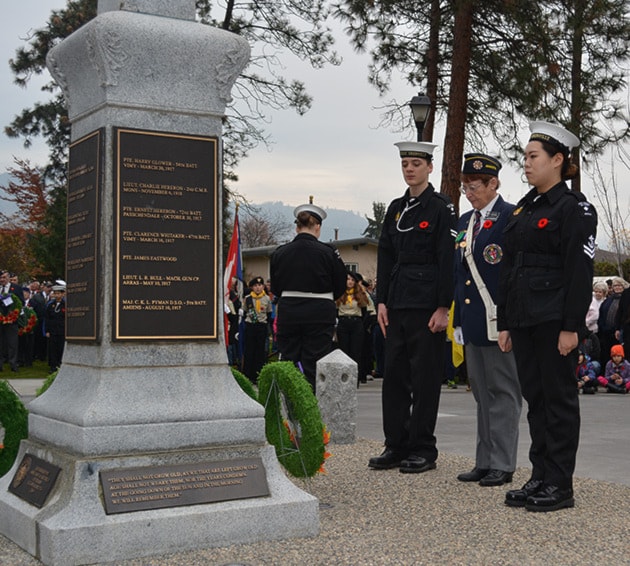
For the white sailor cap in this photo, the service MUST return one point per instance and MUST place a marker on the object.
(318, 213)
(554, 134)
(416, 149)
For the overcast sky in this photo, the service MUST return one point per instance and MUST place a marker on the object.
(335, 152)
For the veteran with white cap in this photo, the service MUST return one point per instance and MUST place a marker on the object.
(414, 294)
(307, 276)
(544, 295)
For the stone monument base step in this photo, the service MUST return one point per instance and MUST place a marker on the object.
(73, 527)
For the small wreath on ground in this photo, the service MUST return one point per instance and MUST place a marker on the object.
(246, 385)
(299, 437)
(14, 421)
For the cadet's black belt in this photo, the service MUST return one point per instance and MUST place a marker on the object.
(528, 259)
(418, 258)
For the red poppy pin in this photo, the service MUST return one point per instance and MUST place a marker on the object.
(423, 225)
(543, 222)
(487, 224)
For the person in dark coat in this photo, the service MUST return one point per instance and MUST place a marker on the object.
(55, 326)
(414, 294)
(544, 295)
(38, 304)
(307, 276)
(609, 321)
(11, 299)
(492, 373)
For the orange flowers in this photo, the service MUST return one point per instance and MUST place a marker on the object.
(296, 442)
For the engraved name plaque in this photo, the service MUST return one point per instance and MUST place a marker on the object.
(166, 225)
(140, 489)
(82, 265)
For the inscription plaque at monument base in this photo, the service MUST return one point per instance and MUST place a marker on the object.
(138, 489)
(34, 480)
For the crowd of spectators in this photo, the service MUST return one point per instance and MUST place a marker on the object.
(32, 322)
(602, 364)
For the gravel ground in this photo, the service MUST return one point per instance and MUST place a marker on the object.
(370, 517)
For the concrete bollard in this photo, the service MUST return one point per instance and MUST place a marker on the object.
(336, 383)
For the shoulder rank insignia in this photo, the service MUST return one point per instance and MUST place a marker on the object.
(586, 208)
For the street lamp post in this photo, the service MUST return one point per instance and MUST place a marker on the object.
(420, 106)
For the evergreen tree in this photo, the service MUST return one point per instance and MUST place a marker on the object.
(561, 61)
(375, 225)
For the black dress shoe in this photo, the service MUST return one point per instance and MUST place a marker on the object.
(518, 497)
(388, 459)
(474, 475)
(551, 498)
(496, 477)
(414, 464)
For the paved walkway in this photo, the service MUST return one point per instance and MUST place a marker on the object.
(603, 454)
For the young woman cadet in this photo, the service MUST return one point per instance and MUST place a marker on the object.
(544, 294)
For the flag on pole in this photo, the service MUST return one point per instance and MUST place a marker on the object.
(233, 269)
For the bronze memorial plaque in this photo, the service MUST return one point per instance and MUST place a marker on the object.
(140, 489)
(34, 480)
(82, 237)
(166, 246)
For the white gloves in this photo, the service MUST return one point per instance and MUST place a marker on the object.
(458, 335)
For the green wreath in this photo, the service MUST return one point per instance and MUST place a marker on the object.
(246, 384)
(9, 315)
(14, 421)
(298, 439)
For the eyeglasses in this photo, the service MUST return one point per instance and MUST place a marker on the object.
(472, 188)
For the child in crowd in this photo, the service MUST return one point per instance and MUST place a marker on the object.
(257, 311)
(586, 374)
(617, 375)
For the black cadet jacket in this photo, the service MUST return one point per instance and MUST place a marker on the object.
(547, 269)
(309, 266)
(415, 252)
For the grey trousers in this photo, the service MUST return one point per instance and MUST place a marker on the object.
(494, 382)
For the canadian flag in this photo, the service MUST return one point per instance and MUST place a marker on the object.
(233, 269)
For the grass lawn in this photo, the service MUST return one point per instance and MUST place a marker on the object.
(40, 370)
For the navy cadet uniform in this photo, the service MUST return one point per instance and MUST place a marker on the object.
(546, 288)
(415, 277)
(307, 276)
(491, 372)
